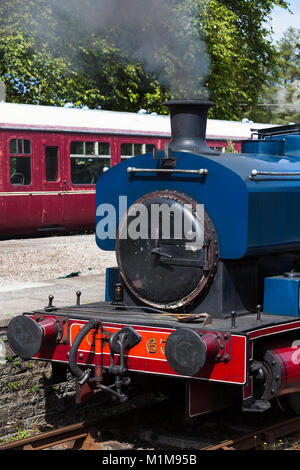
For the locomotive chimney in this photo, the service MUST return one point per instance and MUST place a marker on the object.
(188, 125)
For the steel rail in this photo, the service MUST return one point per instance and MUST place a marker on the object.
(260, 437)
(88, 436)
(50, 438)
(73, 432)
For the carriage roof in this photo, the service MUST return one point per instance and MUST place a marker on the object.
(55, 118)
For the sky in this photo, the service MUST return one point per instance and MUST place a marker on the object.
(282, 19)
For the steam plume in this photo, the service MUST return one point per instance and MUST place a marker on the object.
(163, 35)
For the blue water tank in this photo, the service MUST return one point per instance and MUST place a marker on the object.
(281, 295)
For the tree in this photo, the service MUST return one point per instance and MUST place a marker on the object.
(242, 55)
(41, 65)
(132, 54)
(31, 69)
(280, 100)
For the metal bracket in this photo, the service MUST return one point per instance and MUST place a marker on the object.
(120, 341)
(250, 405)
(123, 339)
(167, 160)
(167, 258)
(223, 355)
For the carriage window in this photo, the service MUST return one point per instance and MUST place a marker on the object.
(88, 161)
(20, 170)
(20, 146)
(20, 165)
(89, 148)
(77, 148)
(103, 148)
(87, 170)
(51, 162)
(138, 149)
(83, 148)
(127, 150)
(150, 148)
(219, 149)
(132, 150)
(26, 147)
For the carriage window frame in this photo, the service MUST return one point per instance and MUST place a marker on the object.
(90, 151)
(134, 152)
(22, 150)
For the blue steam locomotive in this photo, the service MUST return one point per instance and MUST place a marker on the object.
(206, 288)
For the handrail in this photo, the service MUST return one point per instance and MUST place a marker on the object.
(255, 173)
(132, 169)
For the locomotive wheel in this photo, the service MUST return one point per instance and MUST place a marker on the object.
(167, 272)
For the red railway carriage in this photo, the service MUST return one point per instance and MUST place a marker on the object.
(51, 159)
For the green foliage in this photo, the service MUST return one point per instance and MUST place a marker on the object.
(54, 52)
(34, 389)
(230, 147)
(14, 385)
(65, 61)
(280, 99)
(17, 363)
(30, 69)
(20, 434)
(242, 56)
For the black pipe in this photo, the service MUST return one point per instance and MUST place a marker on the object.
(188, 125)
(75, 369)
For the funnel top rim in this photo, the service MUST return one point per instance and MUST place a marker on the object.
(189, 102)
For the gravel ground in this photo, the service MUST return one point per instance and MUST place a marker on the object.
(42, 259)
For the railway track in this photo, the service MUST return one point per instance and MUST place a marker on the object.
(261, 437)
(76, 436)
(88, 436)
